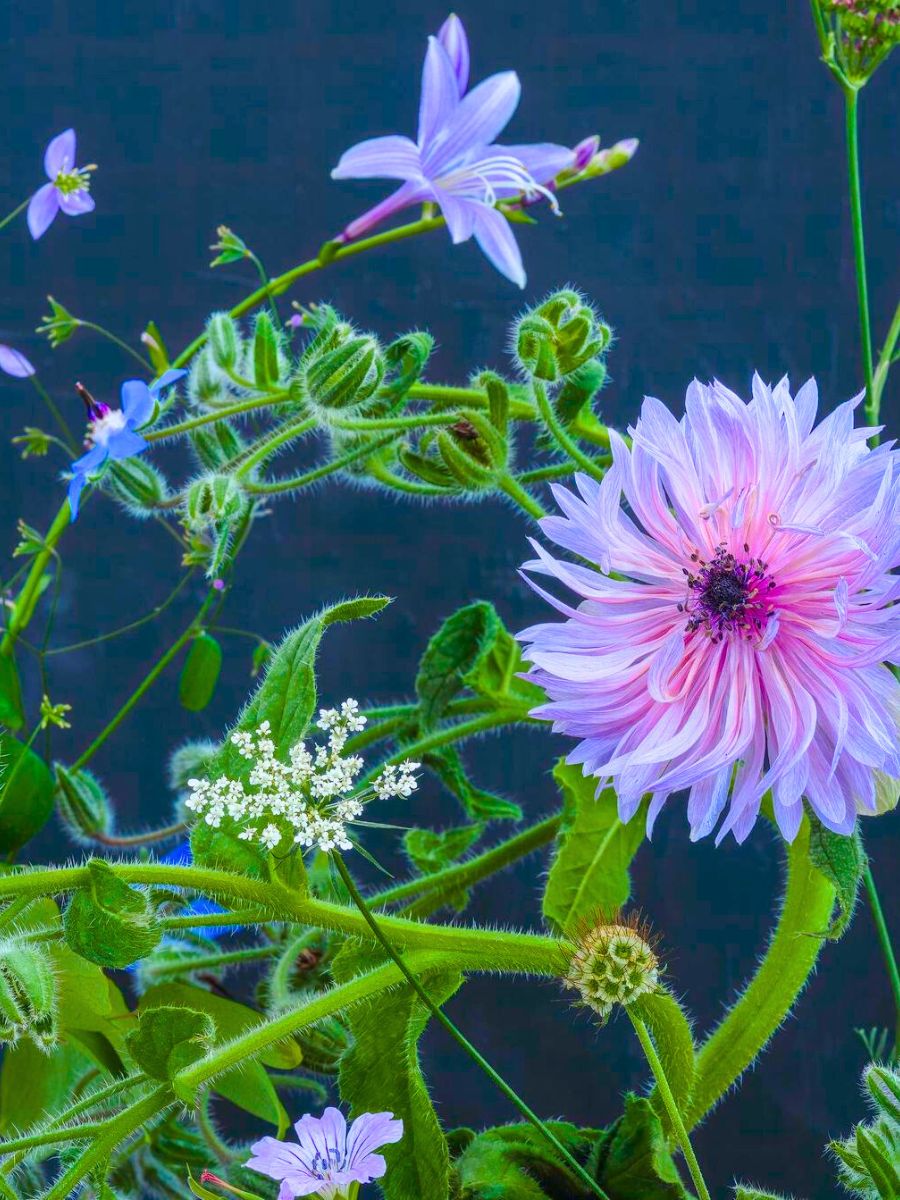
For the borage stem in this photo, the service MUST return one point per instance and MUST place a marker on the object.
(851, 102)
(462, 1041)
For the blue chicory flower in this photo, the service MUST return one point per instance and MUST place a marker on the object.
(13, 362)
(68, 189)
(112, 432)
(330, 1158)
(455, 162)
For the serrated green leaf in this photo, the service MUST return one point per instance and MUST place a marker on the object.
(26, 794)
(381, 1071)
(200, 673)
(590, 872)
(108, 922)
(842, 860)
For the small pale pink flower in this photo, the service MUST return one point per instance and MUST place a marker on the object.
(734, 636)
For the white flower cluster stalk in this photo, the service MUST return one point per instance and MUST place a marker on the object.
(308, 800)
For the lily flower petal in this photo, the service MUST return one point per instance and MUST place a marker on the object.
(440, 93)
(495, 237)
(452, 37)
(392, 157)
(477, 120)
(459, 213)
(42, 209)
(60, 154)
(405, 195)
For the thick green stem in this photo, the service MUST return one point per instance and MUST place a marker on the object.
(566, 443)
(851, 102)
(462, 1041)
(521, 497)
(669, 1101)
(887, 949)
(780, 978)
(31, 588)
(210, 418)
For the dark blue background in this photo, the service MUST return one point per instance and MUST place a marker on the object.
(722, 248)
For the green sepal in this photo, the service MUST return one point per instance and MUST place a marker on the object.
(266, 369)
(137, 484)
(842, 860)
(430, 470)
(745, 1191)
(346, 377)
(224, 340)
(200, 673)
(26, 794)
(197, 1189)
(589, 876)
(108, 922)
(883, 1084)
(216, 444)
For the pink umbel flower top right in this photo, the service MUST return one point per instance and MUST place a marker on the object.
(736, 634)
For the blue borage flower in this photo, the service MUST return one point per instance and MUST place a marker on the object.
(112, 432)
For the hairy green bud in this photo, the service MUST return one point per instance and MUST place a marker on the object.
(324, 1044)
(473, 451)
(207, 387)
(137, 485)
(216, 444)
(190, 761)
(213, 499)
(559, 336)
(346, 377)
(224, 340)
(82, 804)
(27, 993)
(266, 351)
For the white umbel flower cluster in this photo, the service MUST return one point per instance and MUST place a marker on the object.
(308, 800)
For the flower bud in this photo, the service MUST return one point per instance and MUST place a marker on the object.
(324, 1044)
(346, 377)
(613, 964)
(190, 761)
(216, 444)
(559, 336)
(224, 340)
(267, 359)
(473, 451)
(137, 485)
(427, 468)
(27, 994)
(884, 1086)
(212, 499)
(207, 387)
(82, 804)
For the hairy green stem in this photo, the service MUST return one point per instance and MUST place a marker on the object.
(317, 473)
(521, 497)
(670, 1103)
(273, 441)
(461, 1040)
(211, 418)
(884, 940)
(566, 443)
(780, 978)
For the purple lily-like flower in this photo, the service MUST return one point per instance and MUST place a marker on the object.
(13, 362)
(455, 162)
(68, 189)
(330, 1158)
(112, 432)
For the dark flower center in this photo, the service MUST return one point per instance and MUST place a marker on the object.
(728, 595)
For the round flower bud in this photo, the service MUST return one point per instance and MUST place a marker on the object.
(137, 485)
(190, 761)
(612, 964)
(82, 804)
(346, 377)
(224, 340)
(207, 386)
(559, 336)
(473, 451)
(213, 498)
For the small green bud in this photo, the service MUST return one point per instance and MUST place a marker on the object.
(190, 761)
(345, 378)
(212, 499)
(427, 468)
(59, 325)
(884, 1086)
(82, 804)
(498, 399)
(559, 336)
(224, 340)
(266, 353)
(216, 444)
(207, 387)
(137, 485)
(230, 247)
(324, 1044)
(473, 451)
(27, 993)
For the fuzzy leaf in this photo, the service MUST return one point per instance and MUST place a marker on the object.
(744, 1191)
(514, 1162)
(26, 794)
(33, 1084)
(108, 922)
(454, 652)
(169, 1039)
(590, 873)
(631, 1159)
(381, 1071)
(842, 860)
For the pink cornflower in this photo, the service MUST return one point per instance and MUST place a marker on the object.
(734, 635)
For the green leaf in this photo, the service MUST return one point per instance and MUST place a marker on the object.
(430, 851)
(745, 1191)
(631, 1159)
(169, 1039)
(200, 673)
(671, 1033)
(478, 804)
(589, 875)
(12, 714)
(108, 922)
(34, 1084)
(223, 850)
(515, 1162)
(882, 1171)
(454, 652)
(381, 1071)
(26, 794)
(842, 860)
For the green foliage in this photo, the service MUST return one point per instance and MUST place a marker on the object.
(266, 358)
(514, 1162)
(631, 1158)
(405, 360)
(108, 922)
(82, 804)
(478, 804)
(430, 851)
(26, 794)
(745, 1191)
(589, 875)
(869, 1160)
(381, 1071)
(842, 860)
(12, 714)
(224, 340)
(170, 1038)
(200, 673)
(672, 1036)
(27, 993)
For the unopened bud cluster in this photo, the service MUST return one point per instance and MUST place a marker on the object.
(612, 964)
(559, 336)
(27, 993)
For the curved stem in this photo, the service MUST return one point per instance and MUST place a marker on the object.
(70, 444)
(210, 418)
(780, 978)
(123, 629)
(519, 496)
(15, 212)
(886, 358)
(317, 473)
(140, 839)
(884, 939)
(462, 1041)
(668, 1100)
(566, 443)
(116, 341)
(851, 103)
(271, 442)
